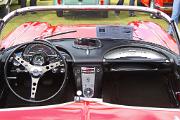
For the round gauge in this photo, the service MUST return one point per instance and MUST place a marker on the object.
(38, 59)
(33, 49)
(88, 92)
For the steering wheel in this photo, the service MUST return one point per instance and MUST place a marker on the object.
(35, 72)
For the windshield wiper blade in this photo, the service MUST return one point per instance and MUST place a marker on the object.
(137, 37)
(60, 33)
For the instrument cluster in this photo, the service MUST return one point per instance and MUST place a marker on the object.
(39, 54)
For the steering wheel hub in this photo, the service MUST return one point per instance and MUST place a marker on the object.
(36, 71)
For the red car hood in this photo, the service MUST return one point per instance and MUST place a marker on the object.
(89, 111)
(148, 31)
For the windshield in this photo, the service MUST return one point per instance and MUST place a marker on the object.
(87, 23)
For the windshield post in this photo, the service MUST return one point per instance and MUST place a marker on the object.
(176, 34)
(175, 29)
(1, 25)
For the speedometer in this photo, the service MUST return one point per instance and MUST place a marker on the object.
(38, 48)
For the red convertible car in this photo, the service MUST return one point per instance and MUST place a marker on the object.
(117, 70)
(163, 5)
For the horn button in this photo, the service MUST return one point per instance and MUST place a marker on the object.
(36, 71)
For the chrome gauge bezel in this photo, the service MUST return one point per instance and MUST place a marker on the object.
(33, 49)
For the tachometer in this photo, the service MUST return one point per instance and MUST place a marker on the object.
(38, 59)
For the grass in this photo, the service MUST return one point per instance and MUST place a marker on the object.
(69, 20)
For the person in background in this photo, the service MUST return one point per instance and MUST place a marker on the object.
(120, 2)
(175, 14)
(131, 13)
(32, 3)
(131, 3)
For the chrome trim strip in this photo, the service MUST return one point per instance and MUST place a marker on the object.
(163, 8)
(94, 101)
(140, 108)
(36, 107)
(86, 7)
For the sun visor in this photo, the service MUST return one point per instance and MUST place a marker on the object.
(115, 32)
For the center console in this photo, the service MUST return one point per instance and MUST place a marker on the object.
(88, 80)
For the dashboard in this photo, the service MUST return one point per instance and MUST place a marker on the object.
(40, 54)
(91, 58)
(111, 49)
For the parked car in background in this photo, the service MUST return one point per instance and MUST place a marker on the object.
(163, 5)
(82, 2)
(5, 7)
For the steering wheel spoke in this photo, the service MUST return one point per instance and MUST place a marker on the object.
(24, 63)
(52, 66)
(34, 86)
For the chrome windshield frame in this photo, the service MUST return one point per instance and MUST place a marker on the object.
(159, 13)
(87, 7)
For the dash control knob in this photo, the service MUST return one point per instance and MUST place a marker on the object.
(88, 92)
